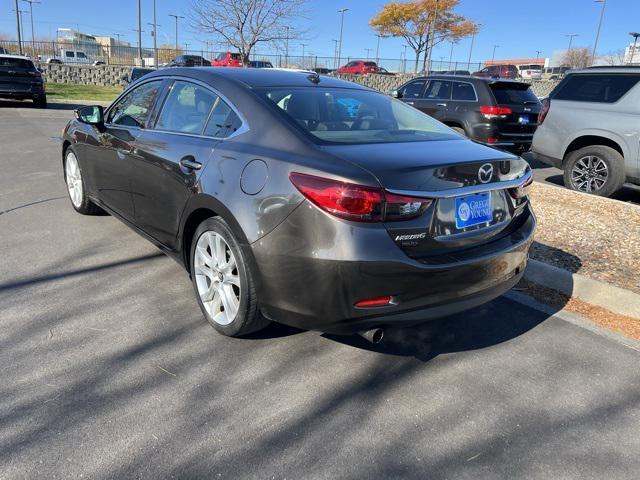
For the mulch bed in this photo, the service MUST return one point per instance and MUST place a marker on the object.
(596, 237)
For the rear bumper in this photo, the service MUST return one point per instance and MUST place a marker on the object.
(313, 268)
(32, 93)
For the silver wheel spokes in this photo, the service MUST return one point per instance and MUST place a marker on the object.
(589, 174)
(74, 179)
(217, 277)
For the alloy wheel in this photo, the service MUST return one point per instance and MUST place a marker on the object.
(74, 179)
(589, 174)
(217, 277)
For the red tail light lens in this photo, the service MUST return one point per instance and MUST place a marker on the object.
(546, 105)
(358, 202)
(491, 111)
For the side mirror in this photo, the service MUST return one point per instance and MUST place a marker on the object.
(396, 94)
(91, 115)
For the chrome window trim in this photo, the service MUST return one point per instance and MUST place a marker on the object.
(458, 192)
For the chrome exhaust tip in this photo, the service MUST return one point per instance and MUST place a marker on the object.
(375, 335)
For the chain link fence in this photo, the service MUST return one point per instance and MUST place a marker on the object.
(89, 53)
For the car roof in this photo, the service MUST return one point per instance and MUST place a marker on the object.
(8, 55)
(257, 77)
(608, 69)
(469, 78)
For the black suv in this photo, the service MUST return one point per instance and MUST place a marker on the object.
(21, 80)
(497, 112)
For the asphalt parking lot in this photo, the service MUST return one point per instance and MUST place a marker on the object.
(110, 371)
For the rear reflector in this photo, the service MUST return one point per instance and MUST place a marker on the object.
(492, 140)
(359, 203)
(373, 302)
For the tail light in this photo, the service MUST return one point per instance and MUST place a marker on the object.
(522, 190)
(546, 105)
(374, 302)
(493, 111)
(358, 203)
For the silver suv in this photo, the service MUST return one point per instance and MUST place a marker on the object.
(590, 128)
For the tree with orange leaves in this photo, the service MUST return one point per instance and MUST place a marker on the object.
(416, 21)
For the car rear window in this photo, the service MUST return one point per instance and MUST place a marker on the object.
(603, 88)
(236, 56)
(370, 64)
(16, 63)
(513, 93)
(352, 116)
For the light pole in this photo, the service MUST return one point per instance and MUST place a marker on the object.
(140, 32)
(155, 36)
(378, 48)
(368, 50)
(493, 56)
(431, 39)
(303, 45)
(473, 37)
(176, 17)
(451, 54)
(595, 44)
(635, 36)
(286, 52)
(18, 28)
(118, 35)
(571, 35)
(404, 62)
(341, 12)
(335, 53)
(33, 37)
(538, 52)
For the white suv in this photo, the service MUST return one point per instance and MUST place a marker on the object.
(590, 128)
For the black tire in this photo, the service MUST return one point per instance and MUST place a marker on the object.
(40, 102)
(86, 207)
(248, 319)
(614, 163)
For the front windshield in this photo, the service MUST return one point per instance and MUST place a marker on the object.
(352, 116)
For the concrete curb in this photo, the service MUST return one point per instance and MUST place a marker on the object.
(615, 299)
(80, 102)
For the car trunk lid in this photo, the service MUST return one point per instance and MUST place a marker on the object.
(523, 105)
(17, 73)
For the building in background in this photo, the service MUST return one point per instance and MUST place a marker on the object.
(632, 56)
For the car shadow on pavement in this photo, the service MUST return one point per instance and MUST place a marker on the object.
(556, 257)
(51, 105)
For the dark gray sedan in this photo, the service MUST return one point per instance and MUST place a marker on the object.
(302, 199)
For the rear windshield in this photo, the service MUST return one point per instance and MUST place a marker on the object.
(16, 63)
(513, 93)
(346, 116)
(235, 56)
(604, 88)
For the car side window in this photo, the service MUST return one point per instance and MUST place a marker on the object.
(463, 92)
(438, 90)
(134, 108)
(223, 121)
(413, 89)
(69, 54)
(186, 108)
(596, 88)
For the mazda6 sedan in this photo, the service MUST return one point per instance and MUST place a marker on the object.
(302, 199)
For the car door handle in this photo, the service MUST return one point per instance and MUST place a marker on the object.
(441, 104)
(190, 163)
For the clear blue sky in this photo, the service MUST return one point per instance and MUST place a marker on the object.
(520, 27)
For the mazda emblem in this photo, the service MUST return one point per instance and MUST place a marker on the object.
(485, 173)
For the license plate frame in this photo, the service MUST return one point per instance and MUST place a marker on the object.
(524, 120)
(472, 210)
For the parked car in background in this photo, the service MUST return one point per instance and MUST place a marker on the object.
(554, 73)
(260, 64)
(590, 128)
(323, 70)
(189, 61)
(530, 72)
(458, 72)
(498, 71)
(496, 112)
(384, 71)
(21, 80)
(53, 61)
(73, 57)
(261, 182)
(359, 67)
(227, 59)
(136, 74)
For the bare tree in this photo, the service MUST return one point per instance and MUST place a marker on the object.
(614, 57)
(577, 58)
(245, 23)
